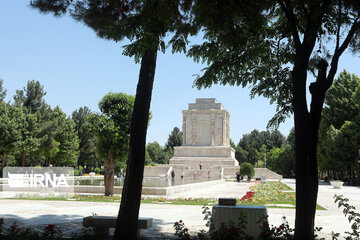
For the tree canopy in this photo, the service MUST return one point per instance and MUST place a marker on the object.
(338, 135)
(2, 91)
(272, 46)
(112, 129)
(87, 139)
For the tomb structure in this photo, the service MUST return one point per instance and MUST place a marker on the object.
(206, 136)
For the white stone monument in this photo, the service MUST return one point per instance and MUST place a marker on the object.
(206, 136)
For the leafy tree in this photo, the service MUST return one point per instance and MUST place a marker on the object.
(241, 155)
(342, 104)
(87, 139)
(29, 130)
(274, 161)
(247, 169)
(276, 139)
(49, 147)
(68, 139)
(256, 139)
(174, 139)
(272, 46)
(112, 130)
(156, 152)
(145, 23)
(342, 101)
(2, 91)
(148, 160)
(31, 97)
(9, 130)
(282, 159)
(261, 162)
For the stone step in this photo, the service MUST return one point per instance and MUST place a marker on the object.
(206, 162)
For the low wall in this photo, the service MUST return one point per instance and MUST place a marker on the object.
(230, 173)
(156, 171)
(165, 191)
(259, 172)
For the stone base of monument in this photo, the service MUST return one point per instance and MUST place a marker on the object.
(208, 156)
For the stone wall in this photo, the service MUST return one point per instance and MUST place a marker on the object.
(206, 123)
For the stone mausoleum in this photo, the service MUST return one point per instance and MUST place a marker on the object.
(206, 136)
(206, 139)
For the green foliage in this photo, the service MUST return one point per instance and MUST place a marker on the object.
(119, 166)
(174, 139)
(353, 217)
(134, 20)
(339, 129)
(250, 145)
(261, 156)
(247, 169)
(112, 126)
(9, 127)
(87, 140)
(97, 170)
(342, 101)
(282, 159)
(2, 91)
(31, 97)
(156, 153)
(241, 155)
(76, 172)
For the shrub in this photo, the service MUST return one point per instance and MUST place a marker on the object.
(81, 169)
(119, 166)
(49, 232)
(76, 172)
(97, 170)
(352, 215)
(247, 169)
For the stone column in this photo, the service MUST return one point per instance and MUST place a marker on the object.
(224, 130)
(193, 130)
(227, 129)
(184, 130)
(212, 134)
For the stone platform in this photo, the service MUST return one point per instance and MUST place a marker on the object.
(209, 156)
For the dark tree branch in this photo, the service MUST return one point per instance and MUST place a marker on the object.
(292, 22)
(305, 10)
(338, 30)
(335, 60)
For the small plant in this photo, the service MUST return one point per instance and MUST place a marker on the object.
(181, 231)
(49, 232)
(161, 199)
(247, 197)
(97, 170)
(247, 169)
(230, 231)
(351, 214)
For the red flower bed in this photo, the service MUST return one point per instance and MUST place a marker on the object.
(247, 197)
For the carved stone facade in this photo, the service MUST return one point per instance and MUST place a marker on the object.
(206, 123)
(206, 136)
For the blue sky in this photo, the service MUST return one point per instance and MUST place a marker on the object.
(77, 69)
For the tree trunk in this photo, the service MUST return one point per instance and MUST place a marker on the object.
(3, 161)
(306, 140)
(126, 226)
(306, 179)
(109, 175)
(23, 156)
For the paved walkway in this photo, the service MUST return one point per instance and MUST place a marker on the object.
(164, 215)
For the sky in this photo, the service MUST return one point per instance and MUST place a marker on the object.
(77, 69)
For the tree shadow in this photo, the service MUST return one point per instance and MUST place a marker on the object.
(69, 223)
